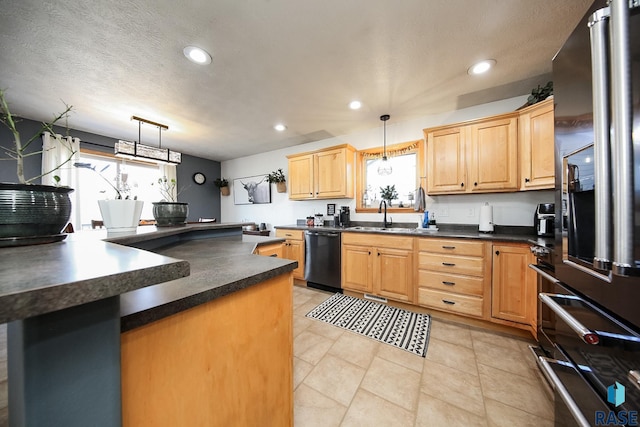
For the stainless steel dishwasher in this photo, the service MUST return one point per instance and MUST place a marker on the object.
(322, 260)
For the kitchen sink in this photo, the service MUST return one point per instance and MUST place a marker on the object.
(383, 229)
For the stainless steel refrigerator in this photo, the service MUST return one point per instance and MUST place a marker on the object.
(594, 362)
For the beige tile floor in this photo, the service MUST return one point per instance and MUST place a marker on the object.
(470, 377)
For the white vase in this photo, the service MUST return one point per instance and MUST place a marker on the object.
(121, 215)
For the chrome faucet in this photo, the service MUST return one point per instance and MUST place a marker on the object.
(385, 224)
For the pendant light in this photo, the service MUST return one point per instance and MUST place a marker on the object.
(135, 150)
(385, 167)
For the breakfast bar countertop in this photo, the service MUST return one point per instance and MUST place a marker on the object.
(147, 268)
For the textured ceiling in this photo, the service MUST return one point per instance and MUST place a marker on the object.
(298, 62)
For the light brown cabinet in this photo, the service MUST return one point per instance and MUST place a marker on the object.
(272, 250)
(514, 291)
(536, 125)
(293, 249)
(323, 174)
(454, 276)
(378, 265)
(477, 156)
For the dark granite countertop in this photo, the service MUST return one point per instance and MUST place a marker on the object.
(45, 278)
(219, 266)
(89, 266)
(502, 233)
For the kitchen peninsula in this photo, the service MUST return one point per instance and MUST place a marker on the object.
(93, 339)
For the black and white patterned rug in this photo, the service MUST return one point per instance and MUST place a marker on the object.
(391, 325)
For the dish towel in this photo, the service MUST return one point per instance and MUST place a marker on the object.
(420, 200)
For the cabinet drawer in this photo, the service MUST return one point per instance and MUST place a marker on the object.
(451, 282)
(451, 247)
(454, 303)
(451, 264)
(378, 240)
(290, 234)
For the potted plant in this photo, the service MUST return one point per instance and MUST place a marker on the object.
(223, 185)
(388, 193)
(169, 212)
(31, 213)
(278, 178)
(121, 214)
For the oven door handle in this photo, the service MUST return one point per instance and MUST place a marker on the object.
(557, 385)
(544, 274)
(584, 333)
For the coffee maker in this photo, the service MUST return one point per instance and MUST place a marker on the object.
(345, 217)
(544, 219)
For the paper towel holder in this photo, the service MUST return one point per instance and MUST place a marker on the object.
(485, 224)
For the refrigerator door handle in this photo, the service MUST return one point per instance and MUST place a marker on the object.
(623, 209)
(601, 125)
(583, 332)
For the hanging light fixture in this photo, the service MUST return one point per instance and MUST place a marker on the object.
(135, 150)
(385, 166)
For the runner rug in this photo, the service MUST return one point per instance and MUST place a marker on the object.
(391, 325)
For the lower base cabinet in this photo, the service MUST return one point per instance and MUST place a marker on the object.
(378, 265)
(514, 291)
(293, 249)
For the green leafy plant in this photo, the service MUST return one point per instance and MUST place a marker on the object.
(388, 193)
(19, 150)
(221, 182)
(276, 176)
(540, 93)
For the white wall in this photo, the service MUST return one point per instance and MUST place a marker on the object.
(508, 208)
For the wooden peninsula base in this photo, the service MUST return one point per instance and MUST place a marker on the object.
(226, 362)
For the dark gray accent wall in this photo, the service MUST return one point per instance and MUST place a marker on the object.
(204, 200)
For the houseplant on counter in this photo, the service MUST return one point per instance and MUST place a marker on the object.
(278, 178)
(169, 212)
(121, 214)
(31, 213)
(223, 185)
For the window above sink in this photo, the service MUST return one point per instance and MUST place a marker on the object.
(407, 162)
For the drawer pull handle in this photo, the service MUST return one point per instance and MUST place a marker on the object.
(449, 283)
(274, 255)
(289, 235)
(448, 264)
(448, 302)
(448, 247)
(583, 332)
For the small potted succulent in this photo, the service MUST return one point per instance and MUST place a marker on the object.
(169, 212)
(31, 213)
(223, 185)
(278, 178)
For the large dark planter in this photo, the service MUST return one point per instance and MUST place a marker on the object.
(32, 214)
(168, 214)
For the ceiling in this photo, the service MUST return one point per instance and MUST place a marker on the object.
(296, 62)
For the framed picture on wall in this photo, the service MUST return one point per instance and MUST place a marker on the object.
(252, 190)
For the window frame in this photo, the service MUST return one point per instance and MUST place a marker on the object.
(417, 147)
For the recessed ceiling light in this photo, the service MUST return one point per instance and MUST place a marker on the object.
(481, 67)
(355, 105)
(197, 55)
(280, 127)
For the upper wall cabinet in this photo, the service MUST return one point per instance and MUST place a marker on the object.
(479, 156)
(322, 174)
(509, 152)
(536, 144)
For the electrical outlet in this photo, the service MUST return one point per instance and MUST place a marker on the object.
(443, 212)
(471, 212)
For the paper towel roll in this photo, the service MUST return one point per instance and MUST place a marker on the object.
(486, 218)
